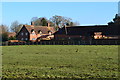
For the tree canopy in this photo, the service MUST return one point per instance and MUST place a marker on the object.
(4, 28)
(61, 21)
(4, 32)
(55, 21)
(116, 20)
(42, 21)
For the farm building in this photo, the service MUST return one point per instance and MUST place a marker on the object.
(38, 33)
(35, 33)
(88, 32)
(110, 31)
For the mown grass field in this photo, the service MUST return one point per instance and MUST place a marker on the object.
(60, 61)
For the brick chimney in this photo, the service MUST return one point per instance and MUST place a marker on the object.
(48, 24)
(32, 23)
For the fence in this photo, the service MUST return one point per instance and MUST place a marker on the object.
(83, 42)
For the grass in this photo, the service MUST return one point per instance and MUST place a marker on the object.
(60, 61)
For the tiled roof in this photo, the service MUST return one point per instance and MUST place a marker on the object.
(11, 34)
(43, 29)
(81, 30)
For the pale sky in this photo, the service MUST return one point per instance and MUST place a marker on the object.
(86, 13)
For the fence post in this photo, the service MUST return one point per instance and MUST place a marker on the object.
(116, 42)
(102, 42)
(50, 42)
(58, 43)
(6, 43)
(84, 42)
(68, 42)
(109, 42)
(79, 42)
(90, 42)
(96, 42)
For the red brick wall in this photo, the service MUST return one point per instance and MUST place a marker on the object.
(33, 35)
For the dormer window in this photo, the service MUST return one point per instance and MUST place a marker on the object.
(32, 30)
(40, 32)
(49, 32)
(33, 33)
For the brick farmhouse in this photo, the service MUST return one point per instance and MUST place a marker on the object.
(35, 33)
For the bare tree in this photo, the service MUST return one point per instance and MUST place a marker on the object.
(3, 28)
(15, 26)
(3, 33)
(60, 21)
(76, 23)
(57, 20)
(34, 19)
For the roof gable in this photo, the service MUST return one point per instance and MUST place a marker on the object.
(43, 29)
(24, 27)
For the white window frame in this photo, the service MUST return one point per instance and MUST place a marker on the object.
(26, 33)
(33, 39)
(22, 33)
(22, 38)
(26, 39)
(50, 33)
(33, 33)
(40, 32)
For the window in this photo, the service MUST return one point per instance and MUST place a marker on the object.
(33, 33)
(49, 32)
(26, 39)
(22, 33)
(69, 37)
(33, 39)
(22, 39)
(40, 32)
(80, 36)
(98, 35)
(32, 30)
(26, 33)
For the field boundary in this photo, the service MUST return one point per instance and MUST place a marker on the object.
(82, 42)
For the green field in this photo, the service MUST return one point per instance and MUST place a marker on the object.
(60, 61)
